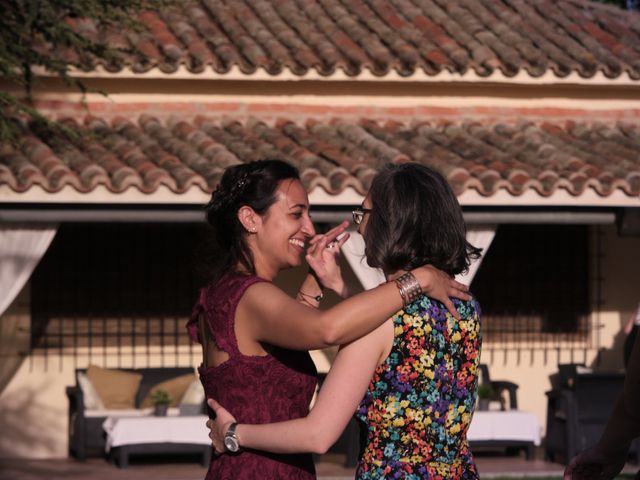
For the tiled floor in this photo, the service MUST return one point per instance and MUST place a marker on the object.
(329, 467)
(489, 465)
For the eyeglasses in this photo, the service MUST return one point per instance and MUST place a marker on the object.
(358, 214)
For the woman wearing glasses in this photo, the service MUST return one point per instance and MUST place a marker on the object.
(253, 335)
(412, 381)
(359, 213)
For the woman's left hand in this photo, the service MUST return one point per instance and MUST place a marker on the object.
(218, 426)
(322, 256)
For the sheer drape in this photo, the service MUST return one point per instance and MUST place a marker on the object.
(369, 277)
(353, 252)
(480, 237)
(21, 248)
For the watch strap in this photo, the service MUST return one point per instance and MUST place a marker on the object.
(231, 436)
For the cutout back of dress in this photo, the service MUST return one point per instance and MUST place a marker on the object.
(255, 389)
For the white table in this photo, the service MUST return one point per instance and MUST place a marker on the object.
(509, 428)
(157, 435)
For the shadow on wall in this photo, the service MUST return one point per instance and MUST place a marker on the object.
(30, 427)
(611, 359)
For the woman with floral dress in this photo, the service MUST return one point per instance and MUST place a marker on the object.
(418, 370)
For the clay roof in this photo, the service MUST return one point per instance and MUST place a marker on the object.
(516, 155)
(405, 36)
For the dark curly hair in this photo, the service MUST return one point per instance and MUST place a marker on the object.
(252, 184)
(415, 220)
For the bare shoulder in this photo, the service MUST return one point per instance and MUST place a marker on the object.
(263, 296)
(269, 315)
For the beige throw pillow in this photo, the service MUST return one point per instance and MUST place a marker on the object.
(175, 387)
(117, 389)
(194, 394)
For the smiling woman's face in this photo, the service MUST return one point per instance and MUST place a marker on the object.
(284, 229)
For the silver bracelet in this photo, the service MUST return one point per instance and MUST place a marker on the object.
(409, 288)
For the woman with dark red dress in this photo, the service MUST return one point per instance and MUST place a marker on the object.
(412, 381)
(254, 336)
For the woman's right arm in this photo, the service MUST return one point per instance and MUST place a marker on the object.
(275, 318)
(337, 401)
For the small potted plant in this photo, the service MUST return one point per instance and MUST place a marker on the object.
(485, 394)
(161, 400)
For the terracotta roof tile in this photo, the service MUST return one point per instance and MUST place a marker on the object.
(405, 36)
(333, 154)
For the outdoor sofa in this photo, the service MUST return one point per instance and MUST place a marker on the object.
(86, 434)
(578, 408)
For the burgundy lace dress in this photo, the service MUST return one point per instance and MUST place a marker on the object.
(255, 389)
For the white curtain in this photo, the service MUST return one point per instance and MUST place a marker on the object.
(353, 251)
(21, 248)
(480, 237)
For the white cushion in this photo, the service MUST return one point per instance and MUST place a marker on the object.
(580, 369)
(92, 400)
(194, 393)
(129, 412)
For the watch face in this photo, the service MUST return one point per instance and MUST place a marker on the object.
(231, 444)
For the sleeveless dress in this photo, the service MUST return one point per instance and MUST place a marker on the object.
(420, 401)
(255, 389)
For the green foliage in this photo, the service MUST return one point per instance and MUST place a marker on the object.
(161, 397)
(34, 32)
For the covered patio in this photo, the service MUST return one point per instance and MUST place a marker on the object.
(542, 144)
(329, 467)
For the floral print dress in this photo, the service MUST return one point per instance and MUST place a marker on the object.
(420, 401)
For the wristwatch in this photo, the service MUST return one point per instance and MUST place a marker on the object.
(231, 439)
